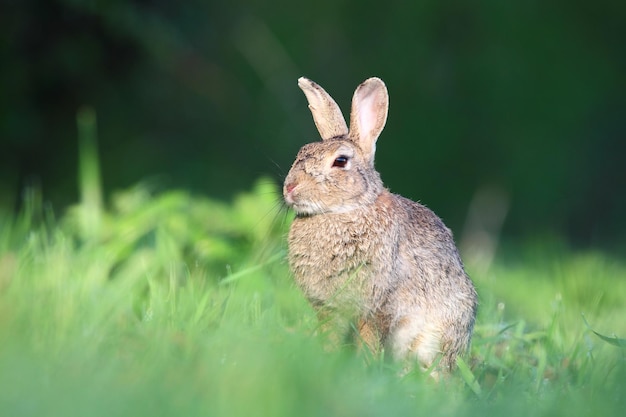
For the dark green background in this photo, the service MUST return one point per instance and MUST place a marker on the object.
(526, 96)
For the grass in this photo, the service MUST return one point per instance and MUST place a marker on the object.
(174, 304)
(183, 305)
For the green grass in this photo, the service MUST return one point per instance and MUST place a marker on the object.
(180, 305)
(173, 304)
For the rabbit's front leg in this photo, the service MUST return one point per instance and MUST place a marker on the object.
(333, 327)
(368, 337)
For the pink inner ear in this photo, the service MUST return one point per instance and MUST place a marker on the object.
(368, 115)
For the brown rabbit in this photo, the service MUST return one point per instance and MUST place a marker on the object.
(366, 257)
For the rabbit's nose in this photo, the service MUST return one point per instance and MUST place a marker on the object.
(289, 187)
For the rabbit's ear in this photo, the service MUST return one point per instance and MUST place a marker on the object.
(326, 113)
(369, 114)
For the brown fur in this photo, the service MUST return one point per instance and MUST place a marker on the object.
(360, 253)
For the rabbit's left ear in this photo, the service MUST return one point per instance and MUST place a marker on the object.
(369, 114)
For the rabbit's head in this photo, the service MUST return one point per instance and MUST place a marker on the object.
(337, 175)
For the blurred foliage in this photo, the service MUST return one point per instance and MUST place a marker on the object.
(526, 97)
(140, 316)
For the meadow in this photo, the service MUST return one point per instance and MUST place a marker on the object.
(161, 302)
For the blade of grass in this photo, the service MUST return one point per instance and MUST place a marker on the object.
(615, 341)
(240, 274)
(468, 377)
(89, 173)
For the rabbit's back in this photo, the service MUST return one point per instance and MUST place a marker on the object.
(433, 303)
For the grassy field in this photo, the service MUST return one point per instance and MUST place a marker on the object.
(173, 304)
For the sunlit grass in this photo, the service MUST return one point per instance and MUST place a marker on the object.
(180, 306)
(176, 304)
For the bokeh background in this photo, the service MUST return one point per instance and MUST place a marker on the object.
(511, 109)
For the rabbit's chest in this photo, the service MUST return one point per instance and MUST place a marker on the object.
(331, 259)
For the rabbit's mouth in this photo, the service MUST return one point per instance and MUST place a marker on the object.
(305, 208)
(313, 208)
(301, 206)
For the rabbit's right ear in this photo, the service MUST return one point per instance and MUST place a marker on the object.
(369, 114)
(326, 113)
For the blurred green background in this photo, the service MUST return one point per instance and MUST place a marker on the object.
(517, 106)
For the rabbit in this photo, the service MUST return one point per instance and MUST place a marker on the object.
(367, 259)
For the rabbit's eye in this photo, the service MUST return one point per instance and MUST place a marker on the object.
(340, 161)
